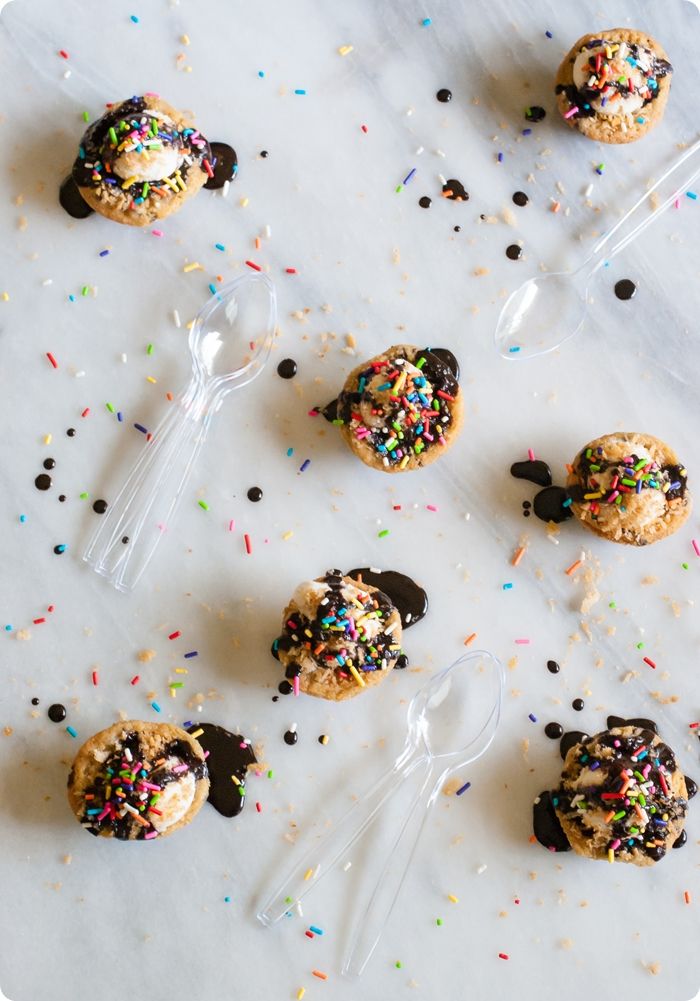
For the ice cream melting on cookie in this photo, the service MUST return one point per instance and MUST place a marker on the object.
(613, 78)
(136, 799)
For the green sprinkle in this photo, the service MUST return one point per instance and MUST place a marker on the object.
(203, 504)
(399, 189)
(288, 900)
(397, 964)
(684, 565)
(84, 496)
(145, 189)
(270, 774)
(420, 363)
(338, 421)
(612, 604)
(384, 532)
(110, 407)
(619, 815)
(149, 349)
(177, 684)
(84, 290)
(86, 116)
(640, 465)
(438, 922)
(640, 646)
(113, 137)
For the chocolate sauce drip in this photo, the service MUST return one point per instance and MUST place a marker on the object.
(625, 289)
(457, 191)
(520, 198)
(287, 368)
(514, 252)
(425, 202)
(56, 712)
(553, 667)
(691, 786)
(681, 839)
(71, 201)
(534, 471)
(291, 737)
(578, 705)
(570, 739)
(43, 481)
(330, 411)
(535, 113)
(638, 721)
(549, 505)
(546, 826)
(285, 688)
(49, 463)
(446, 356)
(554, 730)
(229, 755)
(224, 163)
(405, 595)
(100, 506)
(444, 95)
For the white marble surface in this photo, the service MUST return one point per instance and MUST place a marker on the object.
(150, 920)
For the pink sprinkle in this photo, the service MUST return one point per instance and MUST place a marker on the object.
(613, 495)
(151, 785)
(258, 807)
(364, 128)
(521, 642)
(85, 412)
(95, 679)
(231, 525)
(430, 507)
(248, 544)
(51, 358)
(101, 816)
(677, 203)
(530, 455)
(696, 547)
(571, 112)
(615, 844)
(313, 413)
(150, 835)
(243, 745)
(295, 683)
(180, 768)
(135, 680)
(156, 232)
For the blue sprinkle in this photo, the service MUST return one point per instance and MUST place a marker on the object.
(192, 653)
(409, 175)
(141, 428)
(72, 298)
(513, 350)
(212, 288)
(8, 629)
(566, 503)
(300, 91)
(691, 194)
(120, 416)
(527, 132)
(500, 157)
(532, 717)
(315, 930)
(154, 705)
(290, 452)
(71, 731)
(22, 518)
(261, 73)
(549, 34)
(103, 253)
(227, 900)
(464, 788)
(641, 120)
(305, 465)
(426, 22)
(507, 587)
(219, 246)
(134, 19)
(61, 548)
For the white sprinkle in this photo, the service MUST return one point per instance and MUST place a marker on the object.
(176, 318)
(124, 358)
(480, 868)
(467, 516)
(48, 281)
(409, 112)
(587, 192)
(442, 179)
(391, 628)
(347, 866)
(299, 910)
(439, 152)
(224, 190)
(268, 231)
(66, 74)
(420, 150)
(552, 539)
(292, 728)
(80, 374)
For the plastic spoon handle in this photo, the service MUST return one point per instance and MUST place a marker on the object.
(149, 497)
(368, 929)
(650, 218)
(321, 858)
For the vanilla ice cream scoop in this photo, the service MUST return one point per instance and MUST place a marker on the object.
(149, 165)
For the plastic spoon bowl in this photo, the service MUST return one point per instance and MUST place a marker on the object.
(451, 722)
(230, 343)
(548, 310)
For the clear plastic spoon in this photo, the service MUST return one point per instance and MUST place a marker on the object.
(451, 722)
(230, 342)
(546, 311)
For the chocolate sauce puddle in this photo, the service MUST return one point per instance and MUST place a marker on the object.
(229, 754)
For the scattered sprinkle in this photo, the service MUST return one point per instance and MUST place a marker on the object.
(463, 789)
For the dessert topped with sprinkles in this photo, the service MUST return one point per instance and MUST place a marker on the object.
(621, 798)
(613, 86)
(137, 781)
(339, 636)
(402, 409)
(141, 161)
(629, 488)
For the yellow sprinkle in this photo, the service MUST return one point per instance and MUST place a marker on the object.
(190, 324)
(194, 266)
(185, 39)
(197, 733)
(236, 780)
(404, 462)
(344, 50)
(173, 693)
(287, 535)
(166, 180)
(149, 378)
(128, 182)
(356, 675)
(47, 439)
(451, 897)
(611, 855)
(300, 993)
(6, 297)
(593, 496)
(243, 202)
(182, 670)
(180, 182)
(308, 874)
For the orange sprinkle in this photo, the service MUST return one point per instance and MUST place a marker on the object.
(573, 568)
(257, 243)
(470, 639)
(569, 468)
(555, 206)
(517, 556)
(532, 839)
(609, 816)
(447, 194)
(686, 895)
(321, 976)
(169, 396)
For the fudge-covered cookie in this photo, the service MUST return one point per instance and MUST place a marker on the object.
(613, 86)
(141, 161)
(338, 637)
(136, 781)
(629, 488)
(622, 797)
(402, 409)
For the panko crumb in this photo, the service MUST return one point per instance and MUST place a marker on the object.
(146, 656)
